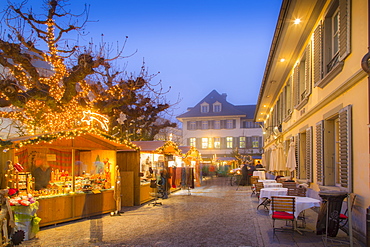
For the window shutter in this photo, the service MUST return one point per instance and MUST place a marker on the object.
(249, 142)
(309, 154)
(308, 71)
(317, 54)
(188, 125)
(210, 124)
(223, 142)
(344, 29)
(345, 147)
(198, 143)
(198, 125)
(235, 142)
(297, 156)
(320, 152)
(222, 124)
(234, 123)
(295, 85)
(260, 143)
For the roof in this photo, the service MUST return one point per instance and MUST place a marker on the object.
(166, 147)
(227, 108)
(82, 138)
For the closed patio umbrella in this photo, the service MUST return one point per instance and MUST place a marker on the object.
(291, 161)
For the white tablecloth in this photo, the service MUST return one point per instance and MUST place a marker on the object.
(267, 180)
(268, 192)
(272, 185)
(261, 174)
(303, 203)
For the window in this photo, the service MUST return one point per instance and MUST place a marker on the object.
(255, 142)
(217, 124)
(192, 141)
(204, 142)
(204, 125)
(204, 108)
(333, 136)
(229, 142)
(287, 108)
(210, 142)
(229, 124)
(304, 154)
(192, 125)
(302, 79)
(217, 142)
(242, 142)
(217, 107)
(331, 43)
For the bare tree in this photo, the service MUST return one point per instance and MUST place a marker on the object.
(49, 84)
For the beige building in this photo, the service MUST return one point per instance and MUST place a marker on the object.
(314, 94)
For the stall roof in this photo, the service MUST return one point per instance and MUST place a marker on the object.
(226, 158)
(82, 138)
(165, 147)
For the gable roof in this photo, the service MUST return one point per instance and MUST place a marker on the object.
(227, 109)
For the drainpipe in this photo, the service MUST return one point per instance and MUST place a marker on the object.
(365, 64)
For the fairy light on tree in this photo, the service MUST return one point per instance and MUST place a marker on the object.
(49, 85)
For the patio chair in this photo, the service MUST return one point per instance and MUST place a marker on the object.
(297, 191)
(254, 180)
(343, 218)
(289, 185)
(283, 208)
(259, 186)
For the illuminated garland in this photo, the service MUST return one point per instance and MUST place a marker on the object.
(167, 145)
(70, 134)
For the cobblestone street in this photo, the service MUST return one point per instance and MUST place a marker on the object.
(215, 214)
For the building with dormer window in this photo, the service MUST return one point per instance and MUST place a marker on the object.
(216, 127)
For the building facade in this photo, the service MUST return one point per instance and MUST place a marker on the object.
(216, 127)
(314, 95)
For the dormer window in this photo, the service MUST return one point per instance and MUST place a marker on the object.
(217, 107)
(204, 108)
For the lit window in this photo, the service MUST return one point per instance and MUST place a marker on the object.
(242, 142)
(255, 142)
(229, 142)
(217, 142)
(204, 142)
(192, 141)
(210, 143)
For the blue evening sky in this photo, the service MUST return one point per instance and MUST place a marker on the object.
(196, 45)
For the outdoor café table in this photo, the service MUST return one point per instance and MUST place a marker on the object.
(272, 185)
(260, 174)
(267, 193)
(267, 180)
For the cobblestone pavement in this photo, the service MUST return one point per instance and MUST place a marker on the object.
(215, 214)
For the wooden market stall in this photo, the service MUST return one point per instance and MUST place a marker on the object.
(155, 156)
(73, 172)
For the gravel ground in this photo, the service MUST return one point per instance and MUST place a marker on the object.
(215, 214)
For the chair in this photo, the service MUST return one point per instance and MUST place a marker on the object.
(254, 180)
(259, 186)
(289, 185)
(343, 218)
(283, 208)
(297, 191)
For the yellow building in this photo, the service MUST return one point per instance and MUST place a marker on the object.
(314, 95)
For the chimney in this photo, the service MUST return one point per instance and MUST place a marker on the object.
(224, 95)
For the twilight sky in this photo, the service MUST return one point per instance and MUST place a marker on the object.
(196, 45)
